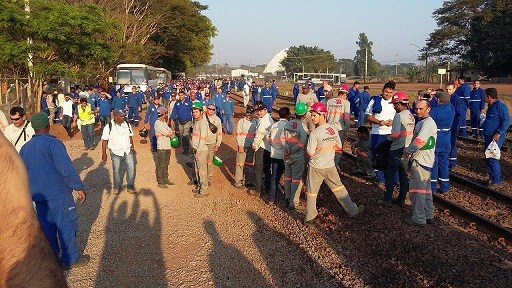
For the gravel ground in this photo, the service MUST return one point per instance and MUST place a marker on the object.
(168, 238)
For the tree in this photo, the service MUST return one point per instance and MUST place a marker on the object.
(475, 32)
(309, 59)
(413, 74)
(365, 49)
(346, 66)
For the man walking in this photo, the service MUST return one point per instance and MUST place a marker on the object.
(20, 131)
(85, 117)
(182, 112)
(338, 116)
(118, 137)
(245, 130)
(163, 141)
(52, 179)
(200, 150)
(151, 117)
(495, 127)
(213, 140)
(134, 107)
(228, 111)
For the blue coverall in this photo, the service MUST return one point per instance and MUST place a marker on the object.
(476, 105)
(443, 115)
(497, 121)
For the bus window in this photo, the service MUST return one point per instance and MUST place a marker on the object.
(123, 77)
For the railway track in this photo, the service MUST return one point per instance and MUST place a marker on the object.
(475, 221)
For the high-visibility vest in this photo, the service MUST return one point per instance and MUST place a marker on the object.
(84, 116)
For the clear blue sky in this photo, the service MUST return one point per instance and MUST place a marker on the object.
(254, 31)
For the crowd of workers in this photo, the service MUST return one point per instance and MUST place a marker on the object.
(418, 142)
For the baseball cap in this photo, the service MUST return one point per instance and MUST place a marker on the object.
(161, 110)
(260, 107)
(228, 92)
(249, 109)
(305, 85)
(119, 112)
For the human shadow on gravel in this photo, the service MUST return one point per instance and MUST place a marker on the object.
(289, 264)
(228, 265)
(96, 182)
(228, 156)
(83, 162)
(132, 254)
(383, 251)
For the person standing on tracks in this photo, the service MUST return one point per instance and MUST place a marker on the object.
(182, 112)
(245, 131)
(149, 121)
(277, 150)
(200, 150)
(309, 99)
(213, 140)
(380, 114)
(228, 111)
(294, 141)
(443, 115)
(495, 128)
(266, 97)
(134, 107)
(476, 108)
(455, 101)
(254, 93)
(322, 144)
(364, 100)
(163, 135)
(353, 98)
(421, 159)
(464, 92)
(401, 135)
(338, 116)
(20, 131)
(261, 147)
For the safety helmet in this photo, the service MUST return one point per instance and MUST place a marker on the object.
(319, 107)
(143, 133)
(175, 142)
(400, 97)
(344, 87)
(216, 160)
(197, 105)
(301, 108)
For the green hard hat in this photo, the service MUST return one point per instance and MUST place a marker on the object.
(197, 105)
(216, 160)
(431, 143)
(301, 108)
(175, 141)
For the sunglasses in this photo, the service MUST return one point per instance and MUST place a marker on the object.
(15, 119)
(212, 109)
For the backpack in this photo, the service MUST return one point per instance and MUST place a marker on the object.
(380, 156)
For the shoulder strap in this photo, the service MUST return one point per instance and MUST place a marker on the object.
(126, 121)
(23, 132)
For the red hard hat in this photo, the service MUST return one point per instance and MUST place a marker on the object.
(344, 87)
(400, 96)
(319, 107)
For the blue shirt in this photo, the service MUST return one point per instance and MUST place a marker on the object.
(364, 100)
(320, 94)
(476, 99)
(228, 106)
(92, 100)
(151, 114)
(496, 121)
(295, 92)
(51, 174)
(182, 110)
(273, 90)
(105, 106)
(133, 100)
(205, 102)
(353, 95)
(443, 115)
(266, 95)
(254, 90)
(218, 98)
(464, 92)
(119, 103)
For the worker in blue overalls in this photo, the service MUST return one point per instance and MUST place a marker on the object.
(443, 115)
(464, 92)
(274, 90)
(266, 97)
(218, 98)
(295, 91)
(151, 117)
(455, 101)
(134, 106)
(254, 92)
(228, 111)
(476, 108)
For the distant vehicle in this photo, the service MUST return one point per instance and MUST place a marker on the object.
(163, 75)
(318, 78)
(135, 75)
(178, 76)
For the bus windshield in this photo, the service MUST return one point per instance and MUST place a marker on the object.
(131, 77)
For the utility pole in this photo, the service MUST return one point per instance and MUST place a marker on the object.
(365, 64)
(396, 65)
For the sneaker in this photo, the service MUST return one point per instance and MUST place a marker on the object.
(359, 211)
(313, 224)
(299, 208)
(199, 195)
(269, 202)
(369, 177)
(238, 185)
(131, 191)
(398, 203)
(92, 148)
(82, 261)
(431, 221)
(169, 182)
(249, 184)
(196, 191)
(163, 186)
(384, 203)
(410, 222)
(493, 185)
(192, 182)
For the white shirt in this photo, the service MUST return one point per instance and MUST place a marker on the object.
(12, 133)
(388, 113)
(118, 139)
(3, 121)
(67, 108)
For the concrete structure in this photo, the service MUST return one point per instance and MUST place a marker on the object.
(273, 66)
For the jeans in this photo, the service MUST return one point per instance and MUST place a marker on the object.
(129, 161)
(277, 171)
(228, 123)
(66, 123)
(104, 120)
(261, 165)
(376, 140)
(88, 135)
(395, 164)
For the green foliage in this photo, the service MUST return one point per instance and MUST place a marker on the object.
(477, 32)
(365, 48)
(413, 74)
(347, 66)
(309, 59)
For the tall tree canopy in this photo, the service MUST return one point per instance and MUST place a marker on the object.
(476, 32)
(365, 46)
(309, 59)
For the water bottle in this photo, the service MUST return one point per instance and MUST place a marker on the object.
(482, 119)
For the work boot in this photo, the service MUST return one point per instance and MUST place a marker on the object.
(82, 261)
(360, 210)
(199, 195)
(169, 182)
(162, 185)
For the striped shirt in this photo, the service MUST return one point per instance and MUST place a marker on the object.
(323, 143)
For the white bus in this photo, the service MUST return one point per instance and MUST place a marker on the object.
(136, 75)
(318, 78)
(163, 75)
